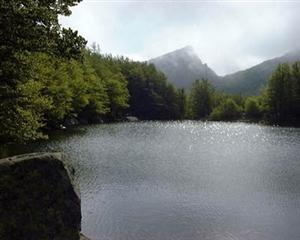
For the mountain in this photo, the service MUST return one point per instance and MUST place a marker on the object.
(252, 80)
(183, 66)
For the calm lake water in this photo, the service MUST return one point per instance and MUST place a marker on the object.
(185, 180)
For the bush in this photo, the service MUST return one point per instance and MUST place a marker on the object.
(227, 111)
(252, 109)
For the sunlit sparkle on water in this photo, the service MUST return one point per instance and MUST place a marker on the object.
(187, 180)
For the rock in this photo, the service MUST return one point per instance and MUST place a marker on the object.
(82, 237)
(131, 119)
(71, 121)
(38, 198)
(62, 127)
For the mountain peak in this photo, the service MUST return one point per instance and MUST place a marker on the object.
(187, 48)
(183, 66)
(181, 53)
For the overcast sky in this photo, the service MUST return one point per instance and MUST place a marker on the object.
(228, 36)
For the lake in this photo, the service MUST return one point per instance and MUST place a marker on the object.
(185, 180)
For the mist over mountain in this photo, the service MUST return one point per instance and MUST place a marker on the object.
(252, 80)
(183, 67)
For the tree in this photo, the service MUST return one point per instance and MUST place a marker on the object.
(279, 95)
(98, 101)
(227, 111)
(20, 119)
(200, 99)
(29, 27)
(151, 95)
(252, 109)
(113, 82)
(182, 103)
(296, 90)
(117, 93)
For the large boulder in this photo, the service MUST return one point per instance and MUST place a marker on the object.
(38, 199)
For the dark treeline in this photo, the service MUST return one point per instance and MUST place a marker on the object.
(281, 98)
(49, 78)
(278, 103)
(152, 97)
(204, 102)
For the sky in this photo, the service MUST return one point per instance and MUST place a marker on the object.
(227, 35)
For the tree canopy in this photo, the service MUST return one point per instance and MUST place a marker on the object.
(49, 77)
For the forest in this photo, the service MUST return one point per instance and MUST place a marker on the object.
(50, 77)
(278, 102)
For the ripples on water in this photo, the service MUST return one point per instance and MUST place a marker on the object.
(186, 180)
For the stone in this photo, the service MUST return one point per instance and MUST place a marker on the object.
(82, 237)
(38, 198)
(71, 121)
(131, 119)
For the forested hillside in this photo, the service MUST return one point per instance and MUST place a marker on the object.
(278, 103)
(252, 80)
(48, 76)
(183, 67)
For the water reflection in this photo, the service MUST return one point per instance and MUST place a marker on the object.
(186, 180)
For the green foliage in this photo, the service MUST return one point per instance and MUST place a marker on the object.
(21, 117)
(201, 99)
(227, 111)
(98, 101)
(252, 109)
(113, 98)
(59, 90)
(182, 104)
(279, 96)
(47, 77)
(151, 96)
(36, 28)
(78, 86)
(296, 90)
(278, 102)
(117, 93)
(28, 28)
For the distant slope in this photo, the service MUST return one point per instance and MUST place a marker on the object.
(251, 81)
(183, 66)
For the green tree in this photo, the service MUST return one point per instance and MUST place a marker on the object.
(98, 101)
(117, 93)
(151, 95)
(227, 111)
(200, 99)
(279, 95)
(113, 83)
(252, 109)
(78, 85)
(23, 116)
(296, 90)
(29, 27)
(60, 92)
(182, 103)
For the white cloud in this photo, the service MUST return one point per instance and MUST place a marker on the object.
(227, 36)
